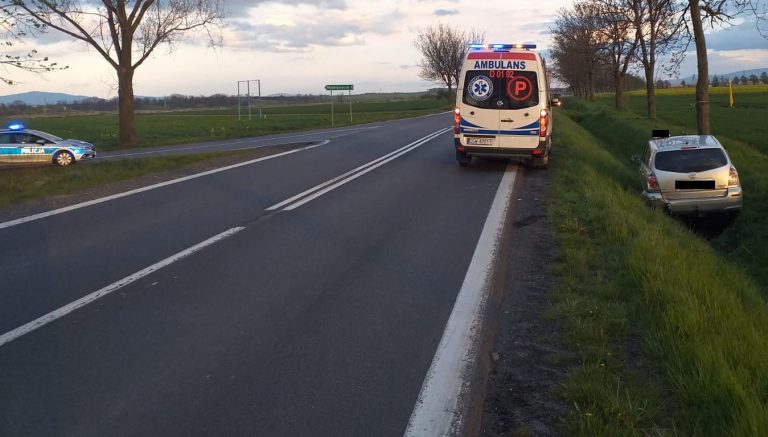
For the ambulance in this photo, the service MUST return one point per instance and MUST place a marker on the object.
(502, 105)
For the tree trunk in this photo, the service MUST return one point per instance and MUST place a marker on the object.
(650, 92)
(702, 86)
(126, 116)
(618, 80)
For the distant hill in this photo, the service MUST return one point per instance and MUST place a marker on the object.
(41, 98)
(690, 79)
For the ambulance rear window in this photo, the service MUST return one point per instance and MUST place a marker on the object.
(501, 89)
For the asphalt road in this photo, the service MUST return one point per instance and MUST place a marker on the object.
(316, 318)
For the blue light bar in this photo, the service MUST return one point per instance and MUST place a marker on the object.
(15, 125)
(501, 46)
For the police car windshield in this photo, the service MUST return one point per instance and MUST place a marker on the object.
(501, 89)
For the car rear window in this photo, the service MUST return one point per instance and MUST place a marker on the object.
(501, 89)
(690, 161)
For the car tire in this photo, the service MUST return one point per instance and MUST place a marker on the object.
(463, 159)
(63, 158)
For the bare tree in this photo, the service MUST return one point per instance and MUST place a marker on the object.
(618, 41)
(576, 47)
(443, 49)
(125, 33)
(658, 24)
(14, 28)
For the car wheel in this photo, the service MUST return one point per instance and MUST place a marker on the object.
(63, 158)
(463, 159)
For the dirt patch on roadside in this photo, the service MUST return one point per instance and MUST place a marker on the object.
(527, 362)
(59, 201)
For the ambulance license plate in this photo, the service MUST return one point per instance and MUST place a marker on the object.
(480, 141)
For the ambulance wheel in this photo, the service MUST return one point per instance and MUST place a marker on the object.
(463, 159)
(63, 158)
(539, 161)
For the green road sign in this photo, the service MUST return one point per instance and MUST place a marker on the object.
(339, 87)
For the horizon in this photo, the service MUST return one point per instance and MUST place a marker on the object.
(298, 46)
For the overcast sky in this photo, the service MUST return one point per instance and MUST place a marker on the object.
(297, 46)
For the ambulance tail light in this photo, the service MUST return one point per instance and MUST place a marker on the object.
(543, 124)
(456, 121)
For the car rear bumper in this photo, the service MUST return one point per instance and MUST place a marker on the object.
(501, 152)
(731, 202)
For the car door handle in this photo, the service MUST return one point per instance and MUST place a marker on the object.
(507, 120)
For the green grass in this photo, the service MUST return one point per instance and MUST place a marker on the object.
(671, 331)
(164, 128)
(747, 122)
(21, 184)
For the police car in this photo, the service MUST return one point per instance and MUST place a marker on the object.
(21, 145)
(502, 105)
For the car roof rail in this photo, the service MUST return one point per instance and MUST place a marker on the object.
(660, 133)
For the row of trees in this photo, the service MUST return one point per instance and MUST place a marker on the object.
(741, 80)
(609, 38)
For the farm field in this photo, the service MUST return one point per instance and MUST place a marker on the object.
(166, 128)
(668, 317)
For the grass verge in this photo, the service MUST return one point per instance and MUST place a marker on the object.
(672, 336)
(27, 183)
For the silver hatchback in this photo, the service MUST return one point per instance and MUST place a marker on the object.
(689, 175)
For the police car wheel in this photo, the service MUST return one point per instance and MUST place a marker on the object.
(63, 159)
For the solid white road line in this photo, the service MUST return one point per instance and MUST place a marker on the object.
(66, 309)
(265, 141)
(319, 190)
(444, 399)
(65, 209)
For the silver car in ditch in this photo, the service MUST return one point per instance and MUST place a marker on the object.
(689, 175)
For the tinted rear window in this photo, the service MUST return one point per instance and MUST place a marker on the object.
(501, 89)
(690, 161)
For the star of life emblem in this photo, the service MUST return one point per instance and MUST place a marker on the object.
(480, 88)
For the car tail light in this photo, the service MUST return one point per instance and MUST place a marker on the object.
(653, 183)
(733, 178)
(543, 123)
(456, 121)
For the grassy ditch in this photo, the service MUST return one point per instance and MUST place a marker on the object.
(626, 133)
(164, 128)
(672, 335)
(27, 183)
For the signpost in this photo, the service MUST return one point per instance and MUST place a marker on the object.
(248, 96)
(333, 88)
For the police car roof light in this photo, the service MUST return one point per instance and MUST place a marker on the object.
(501, 46)
(15, 125)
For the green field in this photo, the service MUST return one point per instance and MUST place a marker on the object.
(670, 326)
(164, 128)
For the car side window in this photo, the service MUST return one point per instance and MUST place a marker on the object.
(24, 138)
(5, 139)
(647, 155)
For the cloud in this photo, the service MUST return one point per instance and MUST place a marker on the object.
(299, 32)
(744, 35)
(446, 12)
(297, 38)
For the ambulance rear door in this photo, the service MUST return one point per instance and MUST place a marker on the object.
(518, 101)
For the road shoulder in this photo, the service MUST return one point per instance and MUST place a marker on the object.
(527, 363)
